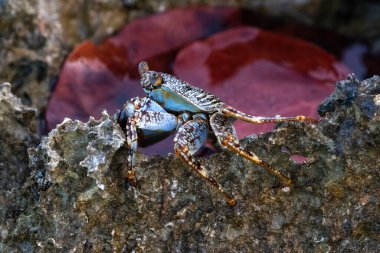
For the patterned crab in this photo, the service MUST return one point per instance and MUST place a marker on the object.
(172, 105)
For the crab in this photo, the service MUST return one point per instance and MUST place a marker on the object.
(172, 105)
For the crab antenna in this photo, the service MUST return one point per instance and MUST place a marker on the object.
(143, 67)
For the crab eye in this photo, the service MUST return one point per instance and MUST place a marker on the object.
(143, 67)
(155, 80)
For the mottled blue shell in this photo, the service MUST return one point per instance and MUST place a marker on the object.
(177, 95)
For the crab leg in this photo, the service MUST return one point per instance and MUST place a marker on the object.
(234, 113)
(189, 139)
(226, 134)
(131, 138)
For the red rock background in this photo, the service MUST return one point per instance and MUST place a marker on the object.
(259, 72)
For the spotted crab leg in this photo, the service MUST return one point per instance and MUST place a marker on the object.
(232, 112)
(189, 139)
(131, 138)
(226, 134)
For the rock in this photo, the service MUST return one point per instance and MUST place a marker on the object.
(17, 134)
(261, 73)
(36, 37)
(77, 198)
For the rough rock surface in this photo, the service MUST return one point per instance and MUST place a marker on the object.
(37, 35)
(77, 201)
(17, 134)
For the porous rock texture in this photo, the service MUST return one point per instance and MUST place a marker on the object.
(77, 200)
(17, 134)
